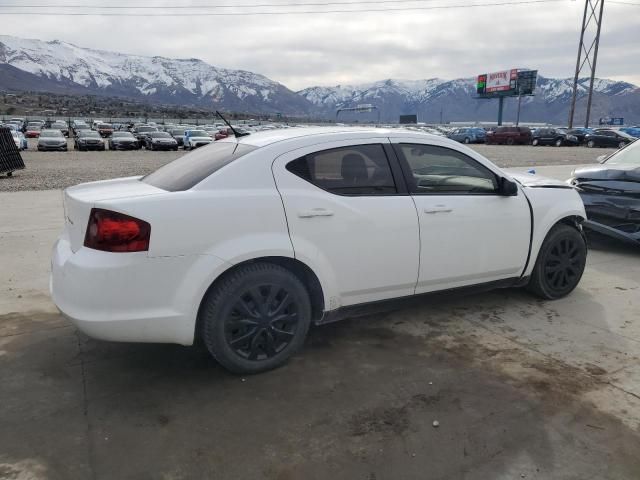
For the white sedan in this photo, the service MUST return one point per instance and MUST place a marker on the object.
(246, 242)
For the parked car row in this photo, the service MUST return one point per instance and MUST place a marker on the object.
(153, 136)
(559, 137)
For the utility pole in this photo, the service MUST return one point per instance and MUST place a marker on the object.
(519, 105)
(591, 20)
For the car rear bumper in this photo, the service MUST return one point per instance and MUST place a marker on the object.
(163, 147)
(125, 146)
(52, 148)
(92, 146)
(130, 297)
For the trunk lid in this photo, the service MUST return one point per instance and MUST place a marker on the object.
(80, 199)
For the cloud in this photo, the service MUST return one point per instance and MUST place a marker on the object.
(330, 49)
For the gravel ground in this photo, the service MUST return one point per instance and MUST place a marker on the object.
(56, 170)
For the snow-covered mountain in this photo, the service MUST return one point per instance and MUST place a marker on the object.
(454, 99)
(160, 79)
(61, 67)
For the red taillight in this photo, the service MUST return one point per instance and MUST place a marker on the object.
(116, 232)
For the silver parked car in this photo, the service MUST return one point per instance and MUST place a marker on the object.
(52, 140)
(468, 135)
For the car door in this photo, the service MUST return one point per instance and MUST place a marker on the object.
(606, 138)
(351, 218)
(469, 233)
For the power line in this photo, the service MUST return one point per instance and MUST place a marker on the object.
(284, 12)
(236, 5)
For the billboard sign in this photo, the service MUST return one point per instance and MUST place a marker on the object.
(405, 119)
(501, 81)
(617, 121)
(507, 83)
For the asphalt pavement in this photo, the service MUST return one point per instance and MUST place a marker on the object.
(520, 388)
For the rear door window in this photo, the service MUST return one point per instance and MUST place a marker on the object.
(189, 170)
(353, 170)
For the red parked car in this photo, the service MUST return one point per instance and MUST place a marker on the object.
(105, 130)
(224, 132)
(33, 131)
(509, 136)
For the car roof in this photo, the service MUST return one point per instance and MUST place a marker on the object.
(269, 137)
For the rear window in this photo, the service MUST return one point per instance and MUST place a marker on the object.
(191, 169)
(198, 133)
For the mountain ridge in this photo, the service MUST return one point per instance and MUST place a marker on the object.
(62, 67)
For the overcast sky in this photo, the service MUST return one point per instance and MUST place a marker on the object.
(330, 49)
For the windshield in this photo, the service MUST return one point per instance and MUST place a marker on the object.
(198, 133)
(159, 135)
(178, 132)
(50, 133)
(103, 126)
(191, 169)
(629, 155)
(146, 129)
(59, 125)
(122, 135)
(90, 134)
(625, 135)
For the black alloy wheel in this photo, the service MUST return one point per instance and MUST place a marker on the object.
(560, 264)
(255, 318)
(262, 322)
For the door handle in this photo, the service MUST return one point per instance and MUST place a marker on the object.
(316, 212)
(438, 209)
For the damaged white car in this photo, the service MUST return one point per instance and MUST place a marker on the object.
(246, 242)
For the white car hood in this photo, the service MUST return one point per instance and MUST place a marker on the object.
(534, 180)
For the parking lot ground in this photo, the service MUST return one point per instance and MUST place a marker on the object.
(521, 388)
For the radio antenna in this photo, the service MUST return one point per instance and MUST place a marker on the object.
(235, 132)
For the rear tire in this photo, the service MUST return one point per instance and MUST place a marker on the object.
(622, 144)
(591, 144)
(510, 141)
(255, 318)
(467, 140)
(560, 263)
(559, 142)
(535, 142)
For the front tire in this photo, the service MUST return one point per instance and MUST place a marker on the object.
(255, 318)
(591, 144)
(559, 142)
(560, 263)
(622, 144)
(535, 142)
(467, 140)
(510, 141)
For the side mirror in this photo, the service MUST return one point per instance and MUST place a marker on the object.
(507, 188)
